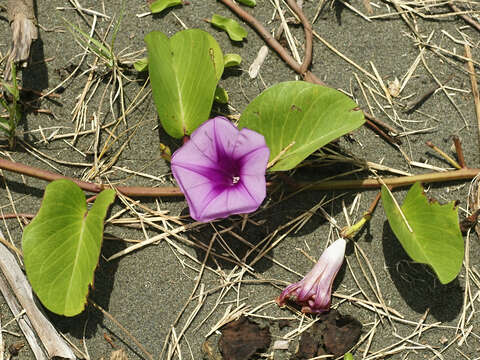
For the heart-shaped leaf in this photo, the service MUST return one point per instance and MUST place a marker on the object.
(184, 72)
(300, 113)
(234, 30)
(429, 232)
(61, 246)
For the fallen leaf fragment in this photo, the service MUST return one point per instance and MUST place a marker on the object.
(394, 87)
(308, 347)
(118, 355)
(234, 30)
(242, 338)
(281, 345)
(334, 334)
(209, 353)
(15, 348)
(251, 3)
(159, 5)
(258, 62)
(342, 333)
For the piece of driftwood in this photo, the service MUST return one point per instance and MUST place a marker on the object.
(21, 14)
(1, 341)
(53, 343)
(22, 321)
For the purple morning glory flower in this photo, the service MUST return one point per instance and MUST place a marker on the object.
(221, 170)
(314, 291)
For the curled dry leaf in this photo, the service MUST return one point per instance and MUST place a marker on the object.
(394, 87)
(242, 338)
(334, 334)
(15, 348)
(209, 352)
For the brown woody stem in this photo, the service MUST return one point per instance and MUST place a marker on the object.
(138, 191)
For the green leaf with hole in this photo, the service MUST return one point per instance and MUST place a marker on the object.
(230, 60)
(160, 5)
(61, 246)
(234, 30)
(184, 72)
(306, 115)
(251, 3)
(435, 239)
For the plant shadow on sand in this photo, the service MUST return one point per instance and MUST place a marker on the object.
(284, 216)
(417, 284)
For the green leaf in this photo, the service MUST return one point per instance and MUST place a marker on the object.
(435, 238)
(234, 30)
(348, 356)
(184, 72)
(141, 65)
(230, 60)
(221, 95)
(160, 5)
(250, 3)
(216, 55)
(308, 115)
(61, 246)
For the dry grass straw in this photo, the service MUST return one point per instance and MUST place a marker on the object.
(473, 80)
(212, 304)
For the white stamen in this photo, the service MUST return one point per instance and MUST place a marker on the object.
(235, 179)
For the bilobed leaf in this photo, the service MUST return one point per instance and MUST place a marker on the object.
(230, 60)
(435, 238)
(308, 115)
(61, 246)
(184, 72)
(250, 3)
(234, 30)
(160, 5)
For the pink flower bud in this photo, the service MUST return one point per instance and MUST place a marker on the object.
(314, 291)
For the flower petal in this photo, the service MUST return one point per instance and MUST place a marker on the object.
(189, 153)
(230, 201)
(256, 187)
(221, 170)
(196, 188)
(255, 162)
(215, 138)
(248, 141)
